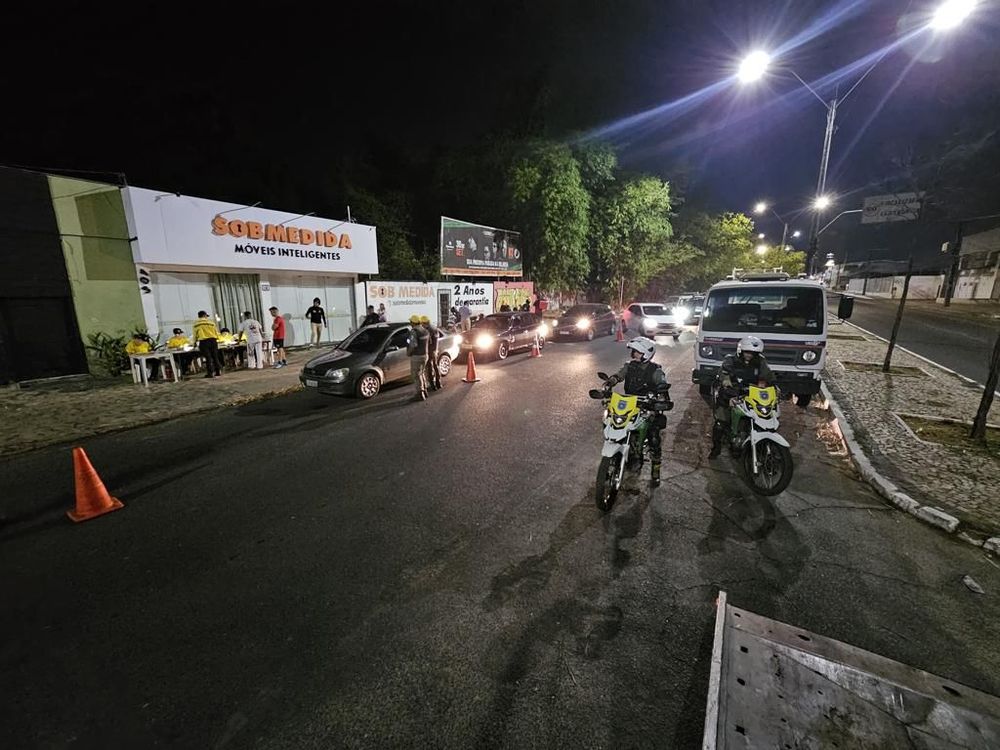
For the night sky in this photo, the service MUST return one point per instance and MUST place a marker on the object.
(276, 97)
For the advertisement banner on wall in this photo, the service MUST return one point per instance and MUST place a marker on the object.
(181, 230)
(893, 207)
(401, 299)
(476, 250)
(513, 294)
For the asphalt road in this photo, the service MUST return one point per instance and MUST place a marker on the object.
(316, 573)
(960, 343)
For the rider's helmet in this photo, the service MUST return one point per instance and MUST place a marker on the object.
(645, 347)
(749, 345)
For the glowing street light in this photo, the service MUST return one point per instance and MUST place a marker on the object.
(950, 14)
(761, 236)
(760, 208)
(796, 233)
(822, 203)
(754, 66)
(761, 249)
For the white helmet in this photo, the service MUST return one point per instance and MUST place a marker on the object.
(750, 344)
(644, 346)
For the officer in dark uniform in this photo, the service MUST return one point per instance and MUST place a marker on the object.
(416, 349)
(432, 373)
(746, 367)
(643, 376)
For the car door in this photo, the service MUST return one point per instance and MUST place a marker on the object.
(395, 363)
(517, 331)
(635, 318)
(607, 319)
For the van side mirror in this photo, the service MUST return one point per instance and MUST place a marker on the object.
(846, 307)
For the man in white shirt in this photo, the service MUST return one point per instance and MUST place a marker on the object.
(254, 333)
(465, 315)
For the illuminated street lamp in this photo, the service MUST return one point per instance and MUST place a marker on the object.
(822, 203)
(761, 249)
(761, 236)
(760, 208)
(754, 66)
(951, 13)
(763, 207)
(796, 233)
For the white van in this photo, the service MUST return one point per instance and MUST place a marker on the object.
(788, 315)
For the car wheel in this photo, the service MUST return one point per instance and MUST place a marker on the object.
(368, 385)
(444, 364)
(590, 334)
(541, 342)
(677, 337)
(503, 350)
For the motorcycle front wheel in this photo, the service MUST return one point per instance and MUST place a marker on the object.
(605, 491)
(774, 467)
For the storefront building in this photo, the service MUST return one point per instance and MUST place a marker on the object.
(196, 254)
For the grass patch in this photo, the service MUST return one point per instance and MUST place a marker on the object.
(954, 436)
(910, 372)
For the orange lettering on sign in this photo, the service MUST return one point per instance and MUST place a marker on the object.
(275, 233)
(237, 228)
(329, 239)
(307, 236)
(219, 225)
(345, 241)
(293, 234)
(254, 230)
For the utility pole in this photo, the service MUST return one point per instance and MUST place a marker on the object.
(868, 263)
(979, 424)
(831, 116)
(899, 317)
(954, 248)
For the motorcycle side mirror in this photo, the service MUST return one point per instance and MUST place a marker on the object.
(845, 308)
(602, 375)
(663, 387)
(594, 393)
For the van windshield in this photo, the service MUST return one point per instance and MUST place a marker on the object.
(764, 309)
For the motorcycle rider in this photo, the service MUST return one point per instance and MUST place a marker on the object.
(642, 376)
(747, 366)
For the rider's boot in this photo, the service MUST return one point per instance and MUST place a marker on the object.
(718, 431)
(655, 473)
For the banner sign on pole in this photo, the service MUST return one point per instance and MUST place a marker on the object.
(477, 250)
(892, 207)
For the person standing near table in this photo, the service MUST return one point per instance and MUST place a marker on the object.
(253, 332)
(206, 336)
(278, 337)
(317, 317)
(140, 345)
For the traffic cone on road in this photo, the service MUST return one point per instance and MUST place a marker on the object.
(92, 498)
(470, 371)
(620, 336)
(536, 350)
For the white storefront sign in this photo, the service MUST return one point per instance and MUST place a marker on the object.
(405, 298)
(180, 230)
(479, 297)
(893, 207)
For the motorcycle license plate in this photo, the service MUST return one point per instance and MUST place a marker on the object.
(312, 383)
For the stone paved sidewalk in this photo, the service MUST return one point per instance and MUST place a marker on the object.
(963, 484)
(58, 413)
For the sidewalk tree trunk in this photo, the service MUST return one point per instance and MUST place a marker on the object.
(979, 424)
(899, 317)
(955, 249)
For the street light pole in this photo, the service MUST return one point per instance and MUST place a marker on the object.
(831, 116)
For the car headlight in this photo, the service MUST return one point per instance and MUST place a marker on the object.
(555, 322)
(484, 341)
(681, 313)
(583, 324)
(543, 330)
(808, 356)
(707, 350)
(648, 323)
(338, 376)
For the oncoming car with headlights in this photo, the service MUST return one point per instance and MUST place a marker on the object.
(687, 309)
(586, 322)
(499, 334)
(370, 358)
(652, 319)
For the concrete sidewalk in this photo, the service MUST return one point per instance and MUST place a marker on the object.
(67, 411)
(961, 483)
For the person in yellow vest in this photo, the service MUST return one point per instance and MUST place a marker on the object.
(226, 337)
(140, 345)
(178, 340)
(206, 336)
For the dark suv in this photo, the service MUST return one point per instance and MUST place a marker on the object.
(499, 334)
(586, 321)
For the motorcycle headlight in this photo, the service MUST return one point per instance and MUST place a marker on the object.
(618, 421)
(484, 341)
(583, 324)
(808, 356)
(648, 323)
(764, 411)
(339, 375)
(707, 350)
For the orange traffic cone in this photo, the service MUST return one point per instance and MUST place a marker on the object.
(470, 371)
(536, 350)
(620, 336)
(92, 498)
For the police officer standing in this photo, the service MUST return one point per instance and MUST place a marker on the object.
(747, 367)
(416, 349)
(433, 374)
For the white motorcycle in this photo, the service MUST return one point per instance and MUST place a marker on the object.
(627, 421)
(767, 456)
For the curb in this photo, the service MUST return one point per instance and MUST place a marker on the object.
(892, 493)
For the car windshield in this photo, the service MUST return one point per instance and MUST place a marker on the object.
(498, 323)
(575, 312)
(655, 310)
(765, 309)
(366, 341)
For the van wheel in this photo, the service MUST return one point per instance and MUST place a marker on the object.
(704, 389)
(803, 399)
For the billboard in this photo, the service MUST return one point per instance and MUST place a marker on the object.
(477, 250)
(892, 207)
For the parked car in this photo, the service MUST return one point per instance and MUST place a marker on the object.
(585, 321)
(499, 334)
(370, 358)
(688, 307)
(651, 319)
